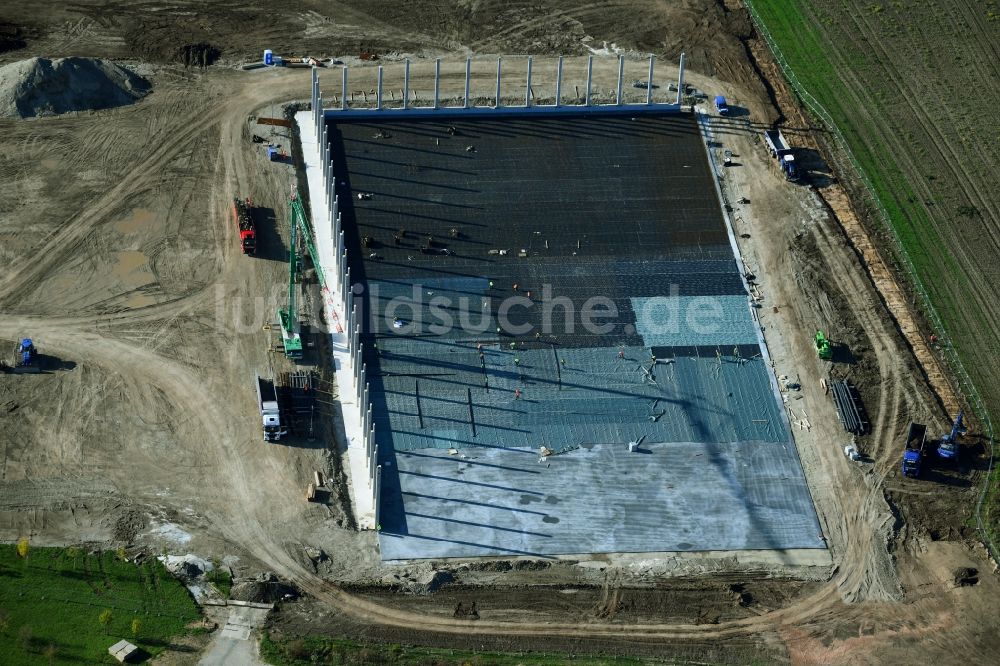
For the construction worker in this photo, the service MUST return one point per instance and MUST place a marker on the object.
(517, 394)
(517, 361)
(621, 354)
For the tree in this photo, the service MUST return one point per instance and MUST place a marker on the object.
(4, 620)
(50, 653)
(136, 627)
(23, 547)
(105, 619)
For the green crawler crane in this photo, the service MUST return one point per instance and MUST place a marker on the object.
(288, 318)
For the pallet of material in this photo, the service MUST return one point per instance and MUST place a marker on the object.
(849, 410)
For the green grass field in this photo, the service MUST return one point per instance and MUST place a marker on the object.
(304, 651)
(51, 605)
(807, 51)
(912, 116)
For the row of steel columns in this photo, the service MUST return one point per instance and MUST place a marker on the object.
(352, 324)
(345, 94)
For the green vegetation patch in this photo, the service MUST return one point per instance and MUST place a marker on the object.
(312, 650)
(67, 606)
(221, 578)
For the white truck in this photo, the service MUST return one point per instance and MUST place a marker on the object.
(270, 410)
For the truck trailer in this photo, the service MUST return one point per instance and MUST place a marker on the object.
(781, 151)
(243, 219)
(270, 410)
(913, 454)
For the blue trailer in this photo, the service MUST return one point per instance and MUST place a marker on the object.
(721, 106)
(781, 151)
(913, 454)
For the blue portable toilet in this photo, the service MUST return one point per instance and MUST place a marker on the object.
(720, 105)
(272, 153)
(268, 57)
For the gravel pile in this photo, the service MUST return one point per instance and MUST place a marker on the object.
(43, 87)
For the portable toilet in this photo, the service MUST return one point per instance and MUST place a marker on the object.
(272, 153)
(720, 105)
(268, 57)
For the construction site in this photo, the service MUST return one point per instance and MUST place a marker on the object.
(585, 352)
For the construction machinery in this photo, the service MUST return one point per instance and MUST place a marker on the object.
(243, 218)
(298, 215)
(781, 151)
(270, 410)
(25, 358)
(913, 454)
(288, 319)
(823, 346)
(948, 446)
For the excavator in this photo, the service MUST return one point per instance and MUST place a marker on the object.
(948, 446)
(823, 346)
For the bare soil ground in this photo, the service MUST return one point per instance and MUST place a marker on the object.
(119, 259)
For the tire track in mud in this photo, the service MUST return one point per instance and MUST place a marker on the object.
(559, 15)
(66, 239)
(953, 162)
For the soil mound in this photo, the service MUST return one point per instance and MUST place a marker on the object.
(43, 87)
(265, 588)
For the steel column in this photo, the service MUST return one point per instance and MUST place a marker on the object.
(378, 497)
(649, 81)
(680, 81)
(343, 90)
(378, 90)
(527, 92)
(590, 76)
(437, 81)
(499, 70)
(406, 84)
(559, 69)
(621, 78)
(468, 75)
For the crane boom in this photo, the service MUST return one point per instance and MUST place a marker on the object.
(289, 318)
(305, 228)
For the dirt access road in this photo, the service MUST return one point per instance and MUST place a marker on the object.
(123, 266)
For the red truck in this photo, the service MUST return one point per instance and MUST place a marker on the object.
(244, 223)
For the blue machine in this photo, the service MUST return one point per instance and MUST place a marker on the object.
(721, 106)
(27, 352)
(948, 446)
